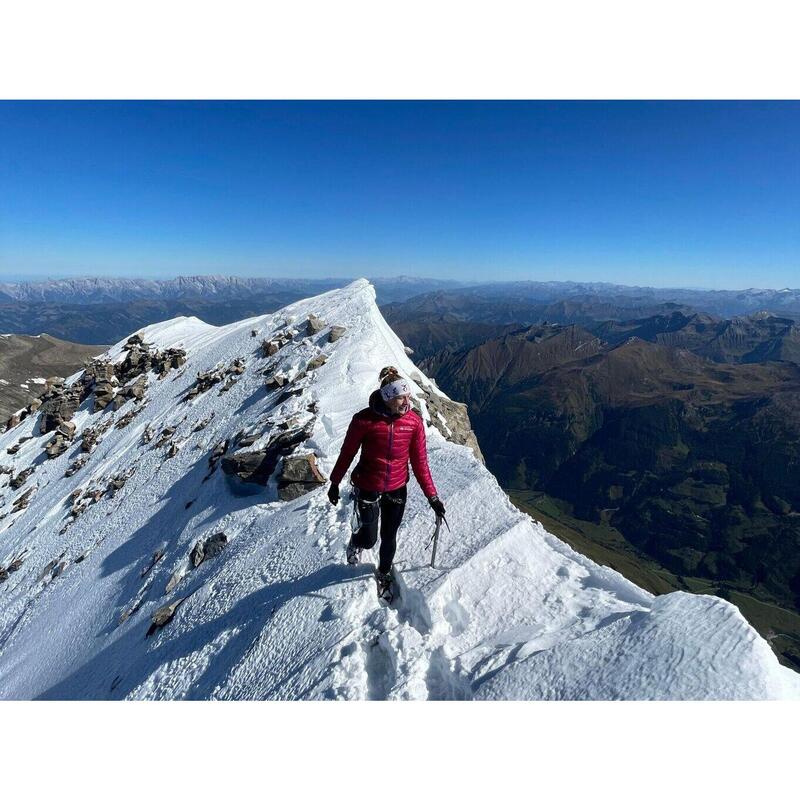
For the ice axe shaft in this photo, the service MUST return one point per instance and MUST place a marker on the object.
(435, 537)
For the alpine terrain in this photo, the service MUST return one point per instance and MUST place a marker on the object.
(165, 533)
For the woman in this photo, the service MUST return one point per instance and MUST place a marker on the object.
(389, 433)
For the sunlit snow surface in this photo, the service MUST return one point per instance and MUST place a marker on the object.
(512, 613)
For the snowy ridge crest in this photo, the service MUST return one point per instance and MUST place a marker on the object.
(187, 574)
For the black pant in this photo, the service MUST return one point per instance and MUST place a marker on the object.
(388, 507)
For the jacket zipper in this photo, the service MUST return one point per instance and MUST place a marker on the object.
(389, 459)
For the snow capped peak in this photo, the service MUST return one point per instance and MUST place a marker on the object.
(169, 536)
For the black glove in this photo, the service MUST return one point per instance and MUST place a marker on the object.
(437, 505)
(333, 493)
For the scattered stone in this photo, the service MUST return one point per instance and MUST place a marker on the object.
(116, 482)
(269, 348)
(197, 555)
(317, 361)
(163, 615)
(91, 437)
(299, 476)
(16, 418)
(156, 557)
(18, 561)
(314, 325)
(79, 462)
(165, 435)
(173, 450)
(203, 423)
(228, 384)
(275, 381)
(128, 416)
(82, 556)
(14, 449)
(147, 435)
(217, 453)
(56, 446)
(336, 333)
(20, 478)
(50, 569)
(174, 579)
(254, 333)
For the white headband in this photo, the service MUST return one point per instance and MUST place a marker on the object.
(395, 389)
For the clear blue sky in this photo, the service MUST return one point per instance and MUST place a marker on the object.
(652, 193)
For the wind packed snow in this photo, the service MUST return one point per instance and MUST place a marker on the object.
(512, 613)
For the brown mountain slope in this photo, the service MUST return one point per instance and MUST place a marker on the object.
(25, 361)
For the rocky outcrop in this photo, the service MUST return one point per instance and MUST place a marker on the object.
(256, 466)
(59, 405)
(450, 418)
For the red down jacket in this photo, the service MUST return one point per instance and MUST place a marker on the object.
(387, 442)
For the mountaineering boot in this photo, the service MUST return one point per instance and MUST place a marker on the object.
(353, 553)
(385, 581)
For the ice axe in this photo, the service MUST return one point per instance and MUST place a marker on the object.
(435, 537)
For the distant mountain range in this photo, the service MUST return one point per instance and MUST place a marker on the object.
(120, 305)
(679, 431)
(79, 291)
(97, 310)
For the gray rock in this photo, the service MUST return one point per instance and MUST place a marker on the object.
(23, 500)
(79, 462)
(174, 580)
(66, 429)
(314, 325)
(20, 478)
(336, 333)
(163, 615)
(299, 476)
(270, 347)
(165, 435)
(215, 544)
(317, 361)
(198, 554)
(256, 466)
(57, 446)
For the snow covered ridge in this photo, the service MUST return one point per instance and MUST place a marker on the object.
(167, 565)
